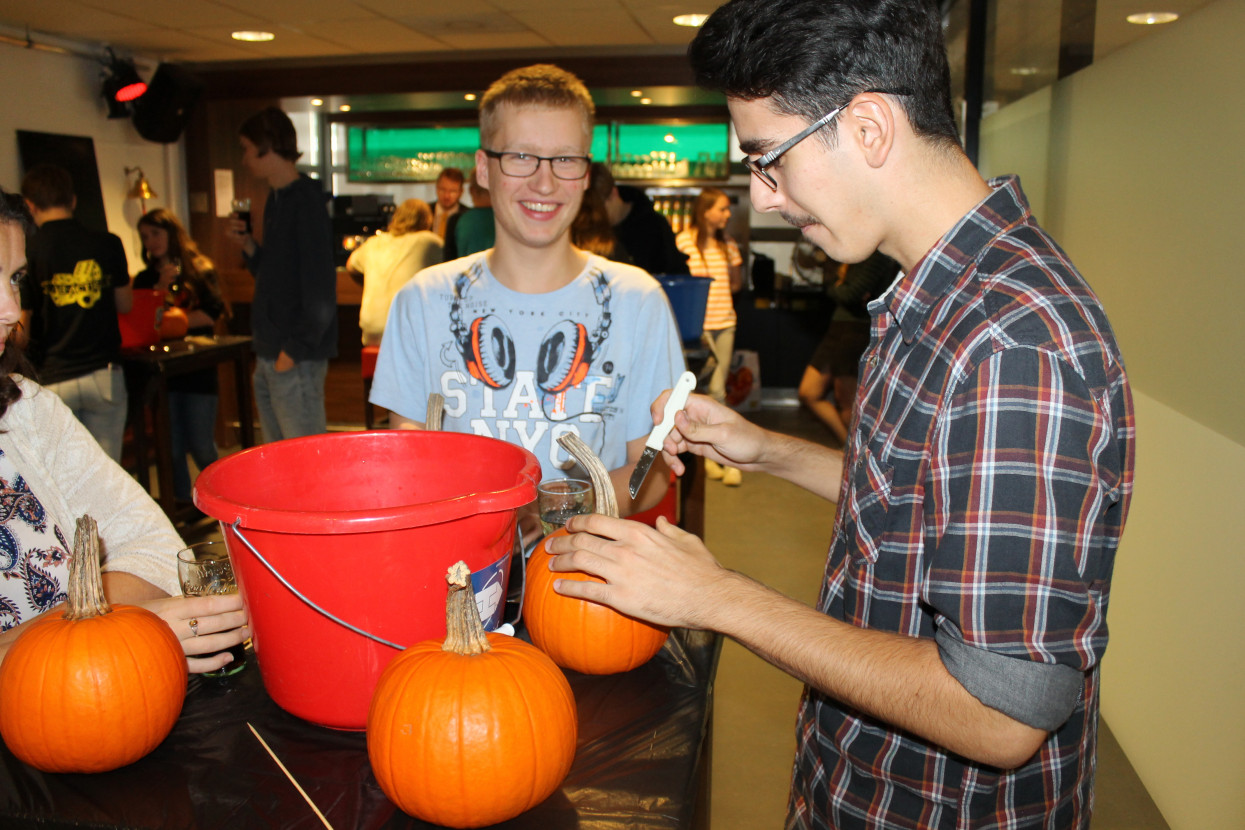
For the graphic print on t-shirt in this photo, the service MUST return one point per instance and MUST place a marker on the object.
(83, 287)
(554, 378)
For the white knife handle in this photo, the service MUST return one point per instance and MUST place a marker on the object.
(677, 400)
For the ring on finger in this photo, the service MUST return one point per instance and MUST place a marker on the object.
(194, 626)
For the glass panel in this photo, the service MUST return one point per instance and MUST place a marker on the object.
(408, 154)
(670, 151)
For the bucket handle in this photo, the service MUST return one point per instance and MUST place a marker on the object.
(237, 529)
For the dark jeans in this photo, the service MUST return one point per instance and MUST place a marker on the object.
(192, 422)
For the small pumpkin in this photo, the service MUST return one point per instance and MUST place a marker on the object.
(173, 323)
(587, 637)
(89, 687)
(473, 730)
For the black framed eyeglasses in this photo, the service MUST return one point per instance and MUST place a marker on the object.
(522, 165)
(759, 166)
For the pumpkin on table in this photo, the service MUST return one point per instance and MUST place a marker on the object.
(89, 687)
(474, 730)
(587, 637)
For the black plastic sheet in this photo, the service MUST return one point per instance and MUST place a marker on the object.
(641, 760)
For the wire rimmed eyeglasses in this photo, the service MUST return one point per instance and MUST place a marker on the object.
(759, 166)
(522, 165)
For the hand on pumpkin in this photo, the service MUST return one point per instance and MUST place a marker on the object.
(713, 430)
(662, 575)
(222, 623)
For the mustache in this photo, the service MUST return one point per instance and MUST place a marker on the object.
(796, 220)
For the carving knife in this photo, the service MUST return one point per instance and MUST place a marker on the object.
(677, 400)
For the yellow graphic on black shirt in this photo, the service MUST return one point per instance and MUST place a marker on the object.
(83, 287)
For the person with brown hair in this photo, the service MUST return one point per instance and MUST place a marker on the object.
(450, 184)
(294, 311)
(711, 252)
(534, 337)
(52, 472)
(188, 280)
(79, 282)
(385, 262)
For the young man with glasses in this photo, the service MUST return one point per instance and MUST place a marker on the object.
(952, 660)
(535, 338)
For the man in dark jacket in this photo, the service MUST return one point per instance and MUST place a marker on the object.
(294, 313)
(646, 238)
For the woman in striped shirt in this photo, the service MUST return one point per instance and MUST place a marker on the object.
(712, 253)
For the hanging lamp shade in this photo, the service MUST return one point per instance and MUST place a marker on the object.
(141, 189)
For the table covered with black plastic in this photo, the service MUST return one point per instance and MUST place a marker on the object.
(642, 759)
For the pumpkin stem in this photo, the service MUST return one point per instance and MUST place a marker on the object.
(86, 586)
(464, 633)
(436, 412)
(606, 500)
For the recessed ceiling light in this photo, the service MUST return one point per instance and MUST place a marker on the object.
(470, 96)
(317, 102)
(669, 138)
(344, 108)
(646, 101)
(253, 37)
(692, 20)
(636, 93)
(1152, 18)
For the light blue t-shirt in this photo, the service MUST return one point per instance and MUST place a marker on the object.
(588, 358)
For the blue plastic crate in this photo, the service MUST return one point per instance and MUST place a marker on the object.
(688, 297)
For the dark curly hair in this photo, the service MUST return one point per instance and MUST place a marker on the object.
(13, 361)
(810, 56)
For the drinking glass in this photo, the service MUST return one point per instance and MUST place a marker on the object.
(242, 207)
(203, 570)
(561, 498)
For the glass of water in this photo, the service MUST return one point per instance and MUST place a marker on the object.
(203, 570)
(561, 498)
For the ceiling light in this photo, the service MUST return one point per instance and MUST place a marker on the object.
(344, 108)
(669, 138)
(693, 20)
(253, 36)
(1152, 18)
(636, 93)
(646, 101)
(317, 102)
(1024, 71)
(470, 96)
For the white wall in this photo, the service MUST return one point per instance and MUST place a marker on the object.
(1135, 166)
(55, 93)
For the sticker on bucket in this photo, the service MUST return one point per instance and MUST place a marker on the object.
(489, 585)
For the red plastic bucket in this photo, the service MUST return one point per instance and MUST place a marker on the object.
(138, 325)
(364, 525)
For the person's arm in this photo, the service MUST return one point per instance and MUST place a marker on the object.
(734, 266)
(117, 270)
(713, 430)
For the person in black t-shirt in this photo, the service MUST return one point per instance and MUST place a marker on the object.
(79, 281)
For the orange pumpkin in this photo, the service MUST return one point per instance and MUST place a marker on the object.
(584, 636)
(89, 688)
(474, 730)
(587, 637)
(173, 324)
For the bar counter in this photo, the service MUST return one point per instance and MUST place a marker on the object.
(642, 760)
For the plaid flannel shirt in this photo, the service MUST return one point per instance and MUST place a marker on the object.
(985, 488)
